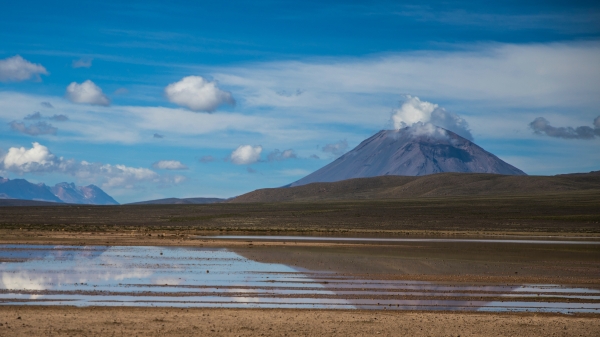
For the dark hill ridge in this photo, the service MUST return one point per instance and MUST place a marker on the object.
(435, 185)
(412, 151)
(179, 201)
(21, 202)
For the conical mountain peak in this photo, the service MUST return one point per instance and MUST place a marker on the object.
(418, 150)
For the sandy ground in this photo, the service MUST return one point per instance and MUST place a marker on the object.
(70, 321)
(518, 263)
(449, 263)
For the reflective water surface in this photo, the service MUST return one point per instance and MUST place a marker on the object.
(350, 239)
(206, 277)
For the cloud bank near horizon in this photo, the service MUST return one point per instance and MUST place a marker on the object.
(38, 159)
(169, 165)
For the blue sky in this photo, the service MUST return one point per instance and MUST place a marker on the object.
(172, 99)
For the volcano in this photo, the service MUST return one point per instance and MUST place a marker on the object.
(413, 151)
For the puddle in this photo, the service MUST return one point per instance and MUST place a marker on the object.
(206, 277)
(356, 240)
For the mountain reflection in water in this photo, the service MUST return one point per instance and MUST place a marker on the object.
(205, 277)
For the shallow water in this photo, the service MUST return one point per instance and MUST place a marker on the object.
(350, 239)
(204, 277)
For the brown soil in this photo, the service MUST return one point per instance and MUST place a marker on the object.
(564, 213)
(71, 321)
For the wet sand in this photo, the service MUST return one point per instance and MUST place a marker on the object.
(209, 277)
(452, 262)
(101, 321)
(425, 261)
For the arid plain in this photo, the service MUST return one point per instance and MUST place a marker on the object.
(559, 216)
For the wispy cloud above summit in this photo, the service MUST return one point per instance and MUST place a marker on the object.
(414, 111)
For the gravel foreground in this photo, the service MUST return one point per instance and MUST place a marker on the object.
(102, 321)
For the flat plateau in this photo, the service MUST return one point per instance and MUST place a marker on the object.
(454, 263)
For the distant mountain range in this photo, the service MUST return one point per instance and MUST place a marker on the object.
(59, 193)
(412, 151)
(20, 192)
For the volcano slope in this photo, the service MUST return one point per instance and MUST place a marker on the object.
(413, 151)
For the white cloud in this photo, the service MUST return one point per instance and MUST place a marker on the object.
(34, 116)
(117, 175)
(84, 62)
(178, 179)
(36, 129)
(86, 92)
(541, 126)
(38, 159)
(427, 129)
(531, 75)
(277, 155)
(498, 88)
(138, 124)
(336, 148)
(16, 68)
(198, 94)
(414, 111)
(169, 165)
(246, 154)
